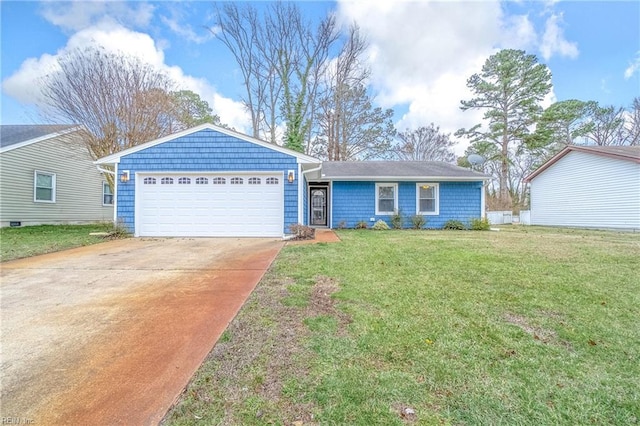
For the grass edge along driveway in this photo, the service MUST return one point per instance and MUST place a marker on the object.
(522, 326)
(27, 241)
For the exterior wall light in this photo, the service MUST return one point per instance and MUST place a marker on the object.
(290, 176)
(124, 176)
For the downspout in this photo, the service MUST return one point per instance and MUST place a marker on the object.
(115, 189)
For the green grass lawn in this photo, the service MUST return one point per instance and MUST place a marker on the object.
(16, 243)
(524, 326)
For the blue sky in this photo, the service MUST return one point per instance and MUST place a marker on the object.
(421, 52)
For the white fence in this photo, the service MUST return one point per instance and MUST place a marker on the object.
(507, 217)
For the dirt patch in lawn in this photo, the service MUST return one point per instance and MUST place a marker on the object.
(259, 358)
(540, 334)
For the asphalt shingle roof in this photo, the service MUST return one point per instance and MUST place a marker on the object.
(11, 134)
(396, 169)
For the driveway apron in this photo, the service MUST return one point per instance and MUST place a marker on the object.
(110, 334)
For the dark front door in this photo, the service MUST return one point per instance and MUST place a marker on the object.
(318, 206)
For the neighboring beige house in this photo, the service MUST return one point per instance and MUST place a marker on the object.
(588, 187)
(48, 177)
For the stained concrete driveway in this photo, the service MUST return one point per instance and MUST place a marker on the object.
(111, 333)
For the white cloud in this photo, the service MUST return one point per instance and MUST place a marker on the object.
(80, 14)
(23, 84)
(633, 68)
(553, 41)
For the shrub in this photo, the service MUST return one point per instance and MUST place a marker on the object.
(454, 224)
(302, 232)
(362, 225)
(119, 230)
(397, 220)
(418, 221)
(380, 225)
(480, 224)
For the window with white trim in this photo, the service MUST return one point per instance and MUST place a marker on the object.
(272, 181)
(44, 187)
(427, 198)
(166, 181)
(218, 181)
(184, 181)
(149, 181)
(236, 181)
(202, 181)
(386, 198)
(107, 195)
(254, 181)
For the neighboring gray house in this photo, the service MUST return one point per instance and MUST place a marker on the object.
(588, 187)
(48, 177)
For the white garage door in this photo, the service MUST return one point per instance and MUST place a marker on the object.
(210, 205)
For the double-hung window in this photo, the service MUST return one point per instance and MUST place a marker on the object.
(44, 187)
(427, 198)
(107, 195)
(386, 198)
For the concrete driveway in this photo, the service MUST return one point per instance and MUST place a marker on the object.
(110, 334)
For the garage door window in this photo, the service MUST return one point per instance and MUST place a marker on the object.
(202, 181)
(254, 181)
(166, 181)
(272, 181)
(184, 181)
(219, 181)
(149, 181)
(236, 181)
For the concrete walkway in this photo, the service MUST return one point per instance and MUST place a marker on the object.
(110, 334)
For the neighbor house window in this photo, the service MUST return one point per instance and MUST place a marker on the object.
(427, 198)
(107, 194)
(386, 198)
(44, 187)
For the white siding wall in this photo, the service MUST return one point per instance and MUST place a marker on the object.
(587, 190)
(78, 185)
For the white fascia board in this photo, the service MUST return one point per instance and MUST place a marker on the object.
(407, 178)
(115, 158)
(40, 139)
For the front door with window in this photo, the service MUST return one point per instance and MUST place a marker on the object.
(318, 211)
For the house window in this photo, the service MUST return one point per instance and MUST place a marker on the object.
(44, 187)
(254, 181)
(202, 181)
(218, 181)
(236, 181)
(184, 181)
(166, 181)
(427, 198)
(107, 194)
(149, 181)
(272, 181)
(386, 198)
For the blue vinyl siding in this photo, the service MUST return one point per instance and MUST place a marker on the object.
(206, 151)
(355, 201)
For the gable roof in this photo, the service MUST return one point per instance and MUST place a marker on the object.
(115, 158)
(398, 170)
(14, 136)
(625, 153)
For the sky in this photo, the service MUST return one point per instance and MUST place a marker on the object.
(421, 53)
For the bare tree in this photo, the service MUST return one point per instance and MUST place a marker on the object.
(119, 101)
(281, 57)
(631, 132)
(425, 143)
(606, 125)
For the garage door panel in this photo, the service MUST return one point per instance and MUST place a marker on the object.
(208, 209)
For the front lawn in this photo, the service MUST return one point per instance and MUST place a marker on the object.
(16, 243)
(524, 326)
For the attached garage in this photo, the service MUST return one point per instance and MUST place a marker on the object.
(209, 182)
(210, 205)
